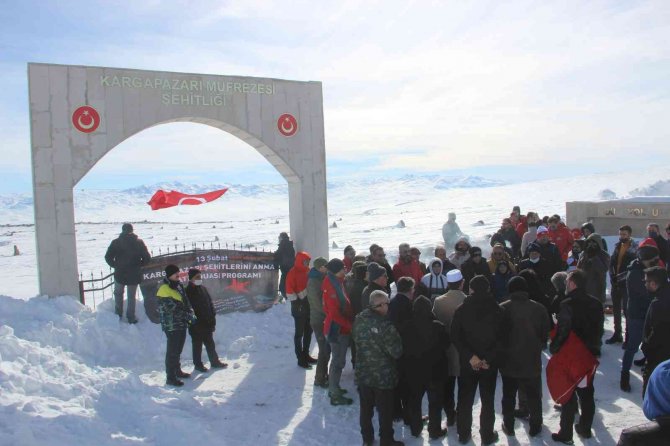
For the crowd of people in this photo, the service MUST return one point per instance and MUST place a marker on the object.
(447, 328)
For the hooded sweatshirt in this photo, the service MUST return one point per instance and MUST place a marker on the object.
(458, 258)
(296, 279)
(435, 284)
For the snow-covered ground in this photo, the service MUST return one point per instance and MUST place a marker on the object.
(70, 375)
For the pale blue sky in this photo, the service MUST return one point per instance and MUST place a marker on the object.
(502, 89)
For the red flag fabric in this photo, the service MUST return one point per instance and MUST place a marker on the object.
(568, 367)
(162, 199)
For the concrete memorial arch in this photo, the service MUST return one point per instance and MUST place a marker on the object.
(80, 113)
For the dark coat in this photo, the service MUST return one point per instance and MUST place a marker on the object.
(525, 334)
(357, 286)
(202, 305)
(470, 269)
(365, 297)
(656, 344)
(127, 254)
(284, 256)
(638, 296)
(543, 269)
(510, 236)
(400, 309)
(476, 329)
(550, 253)
(425, 341)
(595, 265)
(582, 314)
(662, 248)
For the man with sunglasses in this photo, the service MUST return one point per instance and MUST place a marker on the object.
(474, 266)
(378, 347)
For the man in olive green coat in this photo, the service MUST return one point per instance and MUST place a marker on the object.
(378, 346)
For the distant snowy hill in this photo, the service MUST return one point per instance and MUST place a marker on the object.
(659, 188)
(90, 203)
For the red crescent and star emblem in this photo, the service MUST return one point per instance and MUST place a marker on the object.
(287, 124)
(86, 119)
(238, 286)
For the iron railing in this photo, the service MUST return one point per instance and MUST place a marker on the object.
(96, 287)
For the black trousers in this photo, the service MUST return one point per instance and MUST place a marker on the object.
(199, 337)
(448, 399)
(383, 399)
(175, 344)
(470, 380)
(401, 397)
(619, 305)
(532, 388)
(324, 351)
(302, 336)
(435, 390)
(569, 410)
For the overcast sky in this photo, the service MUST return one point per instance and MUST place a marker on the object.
(502, 89)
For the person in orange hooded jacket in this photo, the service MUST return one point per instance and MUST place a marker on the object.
(296, 293)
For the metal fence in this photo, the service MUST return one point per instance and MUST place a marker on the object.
(96, 288)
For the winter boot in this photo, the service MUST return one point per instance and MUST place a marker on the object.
(508, 429)
(174, 382)
(201, 368)
(561, 439)
(302, 362)
(583, 432)
(310, 360)
(615, 339)
(337, 399)
(640, 362)
(182, 374)
(218, 364)
(624, 384)
(490, 439)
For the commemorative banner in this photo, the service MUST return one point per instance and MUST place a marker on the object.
(236, 280)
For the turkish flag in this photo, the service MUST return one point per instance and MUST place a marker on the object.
(162, 199)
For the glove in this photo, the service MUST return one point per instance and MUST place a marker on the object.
(191, 319)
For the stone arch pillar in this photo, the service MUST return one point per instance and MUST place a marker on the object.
(79, 113)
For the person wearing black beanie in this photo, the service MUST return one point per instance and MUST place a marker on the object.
(476, 330)
(526, 331)
(176, 315)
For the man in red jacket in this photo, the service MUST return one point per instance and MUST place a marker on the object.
(296, 293)
(336, 328)
(561, 236)
(406, 265)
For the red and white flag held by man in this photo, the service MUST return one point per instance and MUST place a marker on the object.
(162, 199)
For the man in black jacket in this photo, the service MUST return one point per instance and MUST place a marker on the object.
(625, 251)
(377, 280)
(127, 254)
(284, 258)
(474, 266)
(654, 232)
(526, 329)
(656, 345)
(400, 311)
(476, 331)
(202, 329)
(583, 315)
(639, 299)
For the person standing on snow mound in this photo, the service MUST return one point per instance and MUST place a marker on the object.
(127, 254)
(451, 232)
(176, 315)
(202, 329)
(283, 260)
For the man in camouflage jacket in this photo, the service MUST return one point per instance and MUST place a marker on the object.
(378, 346)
